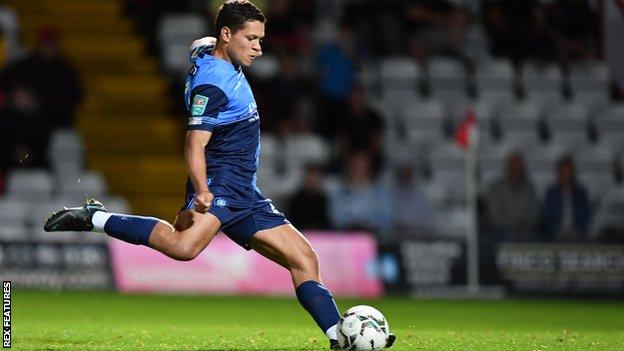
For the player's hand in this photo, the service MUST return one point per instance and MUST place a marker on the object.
(203, 201)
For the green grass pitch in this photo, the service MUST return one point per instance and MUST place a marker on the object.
(110, 321)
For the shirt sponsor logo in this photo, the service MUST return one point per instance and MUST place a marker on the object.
(199, 105)
(193, 121)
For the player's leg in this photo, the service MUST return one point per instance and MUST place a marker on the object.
(286, 246)
(192, 232)
(189, 235)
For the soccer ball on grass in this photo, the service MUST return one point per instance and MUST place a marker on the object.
(363, 328)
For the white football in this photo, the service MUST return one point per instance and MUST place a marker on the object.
(363, 328)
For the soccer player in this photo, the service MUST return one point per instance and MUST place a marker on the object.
(221, 152)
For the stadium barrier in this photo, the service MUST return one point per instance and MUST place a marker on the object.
(411, 267)
(580, 269)
(347, 263)
(351, 263)
(61, 265)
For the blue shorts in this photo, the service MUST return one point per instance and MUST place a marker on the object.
(240, 223)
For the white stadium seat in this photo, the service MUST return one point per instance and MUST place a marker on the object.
(496, 75)
(88, 184)
(29, 184)
(589, 76)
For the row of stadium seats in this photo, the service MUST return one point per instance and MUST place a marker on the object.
(397, 77)
(597, 164)
(31, 194)
(427, 121)
(23, 219)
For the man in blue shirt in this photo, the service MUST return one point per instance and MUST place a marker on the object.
(221, 153)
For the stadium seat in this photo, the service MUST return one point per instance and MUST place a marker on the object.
(609, 213)
(399, 80)
(594, 101)
(399, 72)
(610, 126)
(537, 78)
(266, 67)
(447, 156)
(568, 125)
(175, 34)
(597, 158)
(597, 184)
(66, 153)
(65, 144)
(494, 76)
(181, 27)
(497, 99)
(302, 149)
(29, 184)
(451, 97)
(520, 117)
(446, 74)
(544, 159)
(116, 204)
(13, 213)
(589, 76)
(546, 100)
(423, 123)
(280, 186)
(88, 184)
(175, 58)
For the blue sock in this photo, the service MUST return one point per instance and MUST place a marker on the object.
(319, 302)
(132, 229)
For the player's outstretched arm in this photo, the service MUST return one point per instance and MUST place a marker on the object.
(194, 156)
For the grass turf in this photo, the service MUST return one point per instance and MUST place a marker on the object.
(110, 321)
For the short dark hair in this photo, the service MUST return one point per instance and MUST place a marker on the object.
(235, 13)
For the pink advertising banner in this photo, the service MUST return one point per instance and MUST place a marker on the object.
(347, 263)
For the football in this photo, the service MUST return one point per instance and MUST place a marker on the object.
(363, 328)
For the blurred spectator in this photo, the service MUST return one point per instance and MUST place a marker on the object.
(412, 211)
(360, 129)
(25, 130)
(337, 72)
(49, 79)
(517, 29)
(308, 206)
(565, 213)
(512, 205)
(358, 202)
(573, 27)
(285, 92)
(434, 27)
(290, 24)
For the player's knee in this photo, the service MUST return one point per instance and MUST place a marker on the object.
(306, 260)
(186, 251)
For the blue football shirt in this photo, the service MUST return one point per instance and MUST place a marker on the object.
(219, 99)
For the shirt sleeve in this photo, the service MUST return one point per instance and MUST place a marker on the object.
(207, 101)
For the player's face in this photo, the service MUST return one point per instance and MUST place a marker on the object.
(244, 45)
